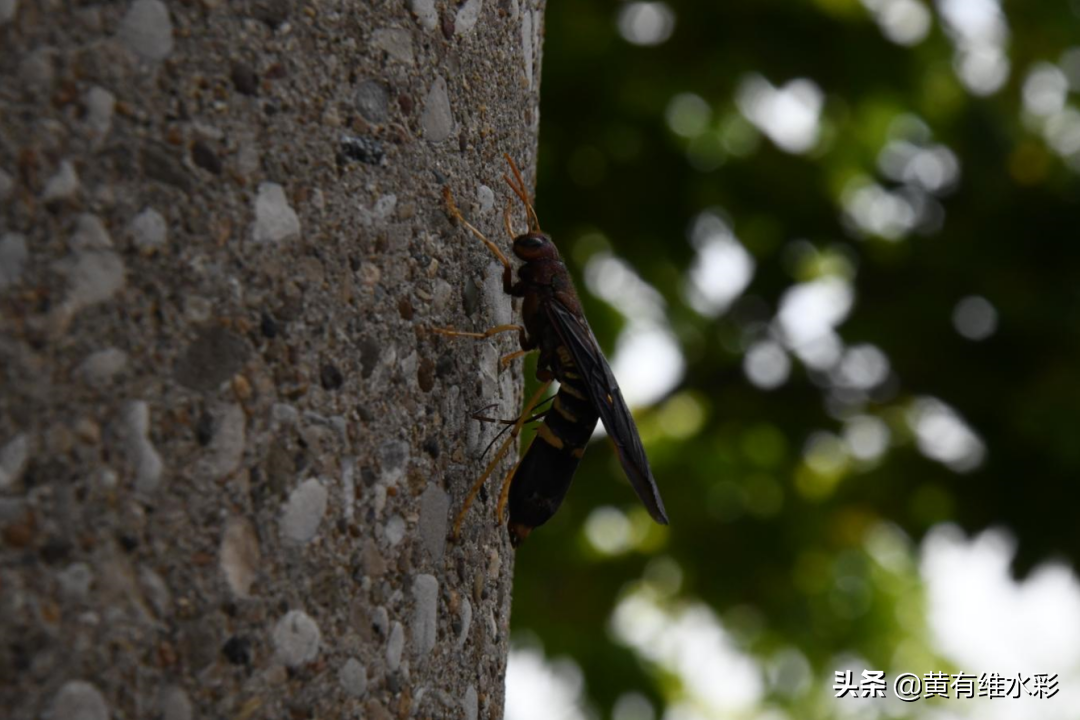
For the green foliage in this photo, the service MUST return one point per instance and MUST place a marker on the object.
(774, 517)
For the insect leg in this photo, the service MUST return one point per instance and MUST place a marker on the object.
(522, 193)
(451, 206)
(507, 359)
(479, 335)
(499, 455)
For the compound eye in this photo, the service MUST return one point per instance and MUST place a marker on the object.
(531, 242)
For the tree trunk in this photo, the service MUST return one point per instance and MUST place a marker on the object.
(230, 451)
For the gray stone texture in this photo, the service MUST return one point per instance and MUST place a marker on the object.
(217, 384)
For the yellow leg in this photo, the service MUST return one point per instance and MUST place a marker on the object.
(479, 335)
(504, 492)
(503, 449)
(452, 207)
(507, 359)
(522, 193)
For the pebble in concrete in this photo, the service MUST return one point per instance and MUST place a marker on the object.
(13, 257)
(396, 43)
(100, 367)
(226, 448)
(296, 639)
(395, 530)
(424, 625)
(353, 677)
(527, 44)
(467, 15)
(304, 511)
(239, 555)
(175, 705)
(147, 30)
(93, 276)
(78, 700)
(372, 101)
(434, 506)
(8, 8)
(275, 220)
(7, 183)
(393, 458)
(486, 197)
(75, 581)
(425, 13)
(63, 185)
(470, 704)
(465, 613)
(394, 646)
(148, 230)
(90, 234)
(140, 451)
(100, 105)
(437, 121)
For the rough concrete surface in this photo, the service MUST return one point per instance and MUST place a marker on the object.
(229, 447)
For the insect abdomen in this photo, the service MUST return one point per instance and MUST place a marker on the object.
(544, 475)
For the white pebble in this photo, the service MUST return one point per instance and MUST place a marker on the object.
(353, 677)
(486, 197)
(470, 704)
(425, 614)
(424, 10)
(437, 120)
(100, 367)
(275, 220)
(467, 15)
(100, 105)
(296, 639)
(147, 29)
(141, 452)
(78, 700)
(395, 530)
(304, 511)
(13, 257)
(148, 229)
(63, 185)
(394, 646)
(90, 234)
(396, 43)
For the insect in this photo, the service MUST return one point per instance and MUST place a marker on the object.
(554, 325)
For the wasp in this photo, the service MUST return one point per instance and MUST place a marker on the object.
(555, 326)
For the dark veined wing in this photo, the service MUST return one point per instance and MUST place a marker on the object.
(605, 395)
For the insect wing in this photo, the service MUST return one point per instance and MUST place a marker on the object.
(608, 400)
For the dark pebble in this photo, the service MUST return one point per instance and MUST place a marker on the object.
(237, 650)
(330, 377)
(244, 79)
(204, 429)
(369, 357)
(268, 326)
(158, 163)
(363, 149)
(214, 357)
(128, 542)
(55, 550)
(431, 446)
(445, 366)
(205, 157)
(425, 375)
(367, 474)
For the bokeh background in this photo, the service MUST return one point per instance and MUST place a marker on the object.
(831, 248)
